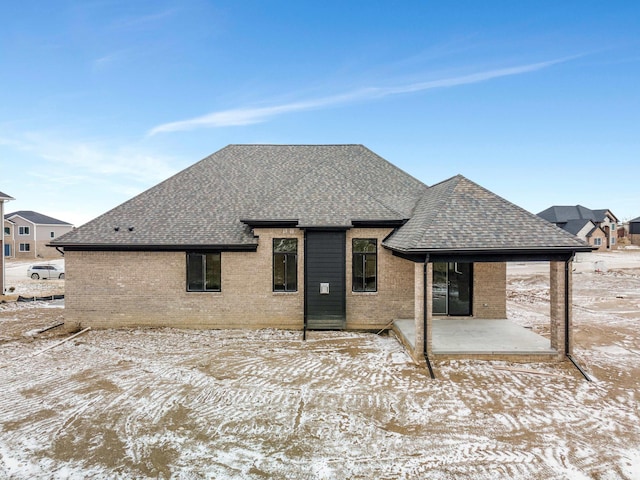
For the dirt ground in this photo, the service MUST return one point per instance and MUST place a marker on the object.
(192, 404)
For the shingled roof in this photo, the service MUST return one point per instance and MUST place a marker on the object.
(215, 202)
(564, 213)
(35, 217)
(205, 204)
(460, 215)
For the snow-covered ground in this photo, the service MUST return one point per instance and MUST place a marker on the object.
(193, 404)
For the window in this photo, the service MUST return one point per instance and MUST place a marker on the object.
(53, 234)
(285, 264)
(365, 265)
(25, 247)
(613, 240)
(7, 230)
(203, 272)
(597, 242)
(23, 230)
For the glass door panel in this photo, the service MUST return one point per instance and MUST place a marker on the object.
(440, 289)
(460, 277)
(452, 288)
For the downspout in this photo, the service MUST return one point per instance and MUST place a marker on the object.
(304, 291)
(567, 331)
(424, 317)
(61, 252)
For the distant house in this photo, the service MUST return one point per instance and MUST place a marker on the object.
(597, 227)
(634, 231)
(27, 233)
(310, 237)
(3, 198)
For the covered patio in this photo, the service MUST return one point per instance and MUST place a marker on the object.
(436, 336)
(461, 239)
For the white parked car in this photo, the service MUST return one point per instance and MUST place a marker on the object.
(38, 272)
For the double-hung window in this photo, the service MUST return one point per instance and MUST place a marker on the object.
(285, 264)
(203, 272)
(23, 230)
(24, 247)
(365, 265)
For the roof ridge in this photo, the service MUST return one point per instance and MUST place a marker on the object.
(295, 145)
(426, 216)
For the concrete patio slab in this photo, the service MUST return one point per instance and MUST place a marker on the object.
(477, 336)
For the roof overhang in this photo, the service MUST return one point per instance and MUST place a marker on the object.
(491, 255)
(379, 223)
(270, 223)
(23, 218)
(71, 247)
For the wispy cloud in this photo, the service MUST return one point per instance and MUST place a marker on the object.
(90, 159)
(247, 116)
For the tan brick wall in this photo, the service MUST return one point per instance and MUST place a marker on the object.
(558, 329)
(489, 290)
(394, 298)
(116, 289)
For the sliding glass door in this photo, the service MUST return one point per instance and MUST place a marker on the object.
(452, 288)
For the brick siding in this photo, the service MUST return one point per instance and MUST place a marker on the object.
(124, 289)
(489, 290)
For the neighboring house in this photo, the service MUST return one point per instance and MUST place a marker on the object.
(3, 198)
(8, 238)
(599, 228)
(27, 234)
(634, 231)
(309, 237)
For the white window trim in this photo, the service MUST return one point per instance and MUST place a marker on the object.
(24, 247)
(21, 230)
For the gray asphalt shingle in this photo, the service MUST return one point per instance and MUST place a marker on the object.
(458, 214)
(317, 185)
(37, 218)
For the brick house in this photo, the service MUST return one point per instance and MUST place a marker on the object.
(308, 237)
(598, 228)
(27, 234)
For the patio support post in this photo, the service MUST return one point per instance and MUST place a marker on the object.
(560, 300)
(418, 302)
(428, 305)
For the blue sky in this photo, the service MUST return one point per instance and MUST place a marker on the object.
(537, 101)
